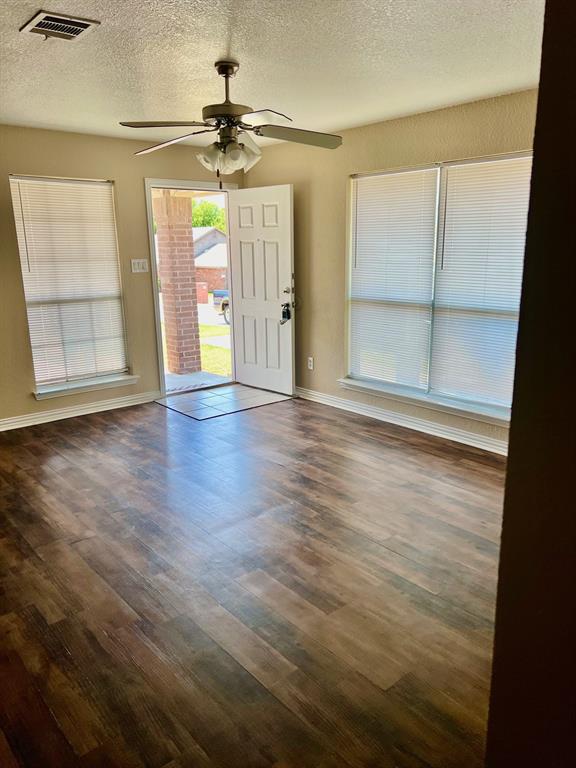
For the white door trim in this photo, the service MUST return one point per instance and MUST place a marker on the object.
(150, 184)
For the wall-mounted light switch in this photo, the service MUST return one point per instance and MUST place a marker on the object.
(139, 265)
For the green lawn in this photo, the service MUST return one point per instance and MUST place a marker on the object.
(214, 330)
(215, 359)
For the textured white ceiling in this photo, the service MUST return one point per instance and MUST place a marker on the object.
(329, 64)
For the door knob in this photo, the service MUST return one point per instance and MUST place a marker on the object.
(286, 313)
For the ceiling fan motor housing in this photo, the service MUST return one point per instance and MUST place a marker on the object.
(225, 112)
(227, 134)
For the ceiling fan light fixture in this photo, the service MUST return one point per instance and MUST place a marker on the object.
(251, 158)
(234, 156)
(209, 157)
(228, 159)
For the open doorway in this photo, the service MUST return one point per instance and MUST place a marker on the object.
(190, 249)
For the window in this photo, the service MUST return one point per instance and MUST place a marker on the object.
(69, 257)
(436, 273)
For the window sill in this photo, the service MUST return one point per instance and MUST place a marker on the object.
(46, 391)
(492, 414)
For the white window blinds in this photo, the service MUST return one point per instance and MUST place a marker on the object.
(478, 280)
(69, 258)
(392, 272)
(436, 268)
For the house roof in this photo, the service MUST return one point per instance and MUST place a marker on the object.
(217, 257)
(199, 232)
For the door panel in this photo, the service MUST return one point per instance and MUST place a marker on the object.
(247, 270)
(261, 259)
(271, 271)
(249, 356)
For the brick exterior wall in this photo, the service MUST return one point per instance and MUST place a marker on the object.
(215, 277)
(173, 217)
(201, 292)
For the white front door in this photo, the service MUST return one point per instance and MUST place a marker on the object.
(262, 265)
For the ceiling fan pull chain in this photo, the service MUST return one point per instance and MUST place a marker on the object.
(218, 177)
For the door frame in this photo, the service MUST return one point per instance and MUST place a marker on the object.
(193, 186)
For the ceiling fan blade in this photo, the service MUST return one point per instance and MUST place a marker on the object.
(172, 141)
(284, 133)
(265, 116)
(249, 142)
(164, 124)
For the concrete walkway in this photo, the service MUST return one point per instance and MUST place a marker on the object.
(178, 382)
(217, 341)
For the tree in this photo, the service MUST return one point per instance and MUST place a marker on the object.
(207, 214)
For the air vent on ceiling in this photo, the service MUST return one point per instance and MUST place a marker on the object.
(56, 25)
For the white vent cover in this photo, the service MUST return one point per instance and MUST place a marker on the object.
(57, 25)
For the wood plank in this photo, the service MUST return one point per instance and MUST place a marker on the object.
(29, 727)
(184, 594)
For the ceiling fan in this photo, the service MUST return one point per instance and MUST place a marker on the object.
(235, 149)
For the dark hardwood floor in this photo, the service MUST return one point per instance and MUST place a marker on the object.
(292, 586)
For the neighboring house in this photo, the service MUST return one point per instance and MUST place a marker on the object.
(212, 265)
(205, 237)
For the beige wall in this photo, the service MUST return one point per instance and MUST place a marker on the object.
(53, 153)
(321, 182)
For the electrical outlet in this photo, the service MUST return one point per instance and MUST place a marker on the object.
(310, 363)
(139, 265)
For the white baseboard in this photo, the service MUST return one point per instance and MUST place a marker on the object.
(40, 417)
(400, 419)
(411, 422)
